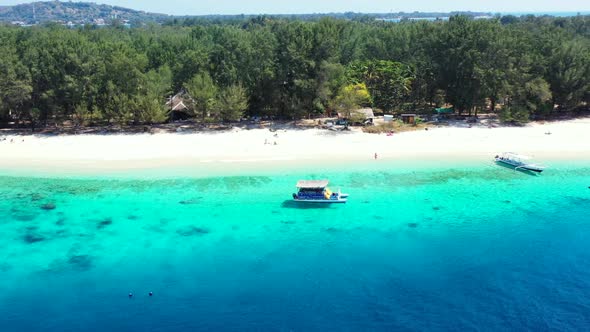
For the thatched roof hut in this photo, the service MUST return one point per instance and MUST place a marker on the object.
(366, 112)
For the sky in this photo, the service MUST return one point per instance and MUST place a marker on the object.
(206, 7)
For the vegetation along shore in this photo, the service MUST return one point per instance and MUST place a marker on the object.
(214, 70)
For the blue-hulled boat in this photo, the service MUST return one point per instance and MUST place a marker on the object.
(317, 191)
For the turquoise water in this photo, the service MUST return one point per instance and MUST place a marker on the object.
(446, 248)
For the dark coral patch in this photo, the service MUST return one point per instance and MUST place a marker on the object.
(132, 217)
(288, 222)
(193, 231)
(260, 266)
(189, 202)
(436, 208)
(48, 206)
(507, 202)
(579, 200)
(378, 217)
(332, 230)
(24, 217)
(104, 223)
(61, 221)
(33, 238)
(412, 225)
(35, 197)
(155, 229)
(81, 262)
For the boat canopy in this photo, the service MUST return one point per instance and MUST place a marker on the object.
(513, 155)
(444, 110)
(312, 184)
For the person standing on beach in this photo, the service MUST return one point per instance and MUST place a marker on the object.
(376, 156)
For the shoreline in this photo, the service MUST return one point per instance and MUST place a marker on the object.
(239, 150)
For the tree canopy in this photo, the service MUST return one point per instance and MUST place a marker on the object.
(292, 68)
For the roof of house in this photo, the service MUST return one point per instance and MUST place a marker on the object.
(179, 106)
(367, 112)
(177, 102)
(312, 184)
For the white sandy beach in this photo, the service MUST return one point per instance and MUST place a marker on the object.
(246, 148)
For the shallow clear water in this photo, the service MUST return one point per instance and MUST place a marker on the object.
(456, 248)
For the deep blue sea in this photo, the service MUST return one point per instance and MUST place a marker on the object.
(439, 247)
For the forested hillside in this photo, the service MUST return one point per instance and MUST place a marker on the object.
(293, 69)
(80, 12)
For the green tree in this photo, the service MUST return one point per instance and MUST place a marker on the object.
(152, 109)
(82, 114)
(156, 84)
(16, 98)
(459, 48)
(232, 103)
(330, 79)
(202, 91)
(569, 73)
(528, 98)
(351, 98)
(389, 82)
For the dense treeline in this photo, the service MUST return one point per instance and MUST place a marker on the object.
(293, 69)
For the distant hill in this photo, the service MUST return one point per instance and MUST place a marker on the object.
(76, 12)
(89, 12)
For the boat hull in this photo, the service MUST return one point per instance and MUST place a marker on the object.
(523, 167)
(321, 201)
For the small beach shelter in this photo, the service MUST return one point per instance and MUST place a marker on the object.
(409, 118)
(361, 116)
(178, 109)
(368, 113)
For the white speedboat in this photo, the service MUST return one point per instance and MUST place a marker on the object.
(317, 191)
(519, 162)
